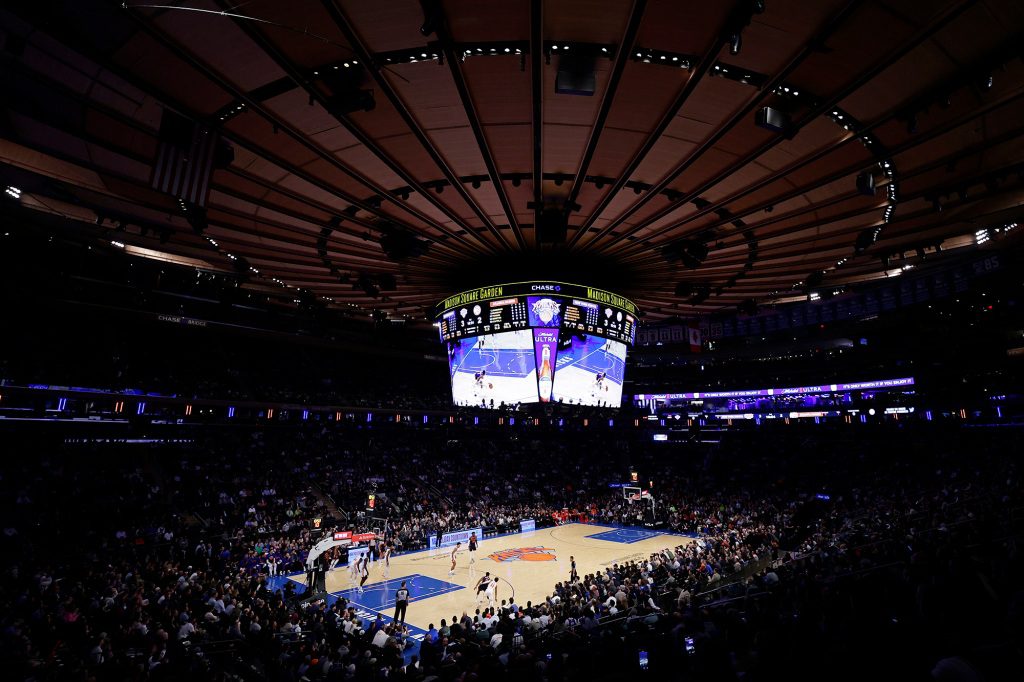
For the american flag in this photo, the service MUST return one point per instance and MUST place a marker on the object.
(184, 158)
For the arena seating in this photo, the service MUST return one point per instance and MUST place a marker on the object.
(810, 545)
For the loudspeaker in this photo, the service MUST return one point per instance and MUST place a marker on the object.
(772, 119)
(684, 289)
(576, 74)
(866, 238)
(552, 227)
(866, 184)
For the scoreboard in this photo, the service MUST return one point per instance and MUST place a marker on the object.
(591, 318)
(524, 305)
(486, 317)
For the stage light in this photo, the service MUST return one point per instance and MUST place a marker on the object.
(13, 192)
(735, 43)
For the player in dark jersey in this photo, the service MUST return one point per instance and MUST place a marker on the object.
(573, 575)
(364, 572)
(482, 585)
(472, 548)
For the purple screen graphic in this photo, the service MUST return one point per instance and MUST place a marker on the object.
(545, 311)
(545, 344)
(902, 382)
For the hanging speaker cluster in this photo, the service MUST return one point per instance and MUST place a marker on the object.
(689, 251)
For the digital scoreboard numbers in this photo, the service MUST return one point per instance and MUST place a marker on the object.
(586, 317)
(484, 318)
(524, 305)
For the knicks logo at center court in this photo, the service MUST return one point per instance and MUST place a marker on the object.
(524, 554)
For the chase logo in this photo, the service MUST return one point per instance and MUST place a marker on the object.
(546, 287)
(524, 554)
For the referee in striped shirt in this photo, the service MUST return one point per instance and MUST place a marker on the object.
(401, 603)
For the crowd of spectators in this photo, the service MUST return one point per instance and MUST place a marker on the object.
(890, 554)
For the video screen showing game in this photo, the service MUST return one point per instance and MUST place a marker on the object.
(536, 342)
(589, 370)
(492, 369)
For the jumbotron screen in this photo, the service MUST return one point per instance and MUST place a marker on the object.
(530, 342)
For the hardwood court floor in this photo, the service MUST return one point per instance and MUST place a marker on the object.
(527, 564)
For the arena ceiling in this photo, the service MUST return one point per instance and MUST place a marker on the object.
(671, 192)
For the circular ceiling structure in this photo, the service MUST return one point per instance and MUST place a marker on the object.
(696, 157)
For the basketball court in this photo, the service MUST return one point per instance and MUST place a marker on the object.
(527, 564)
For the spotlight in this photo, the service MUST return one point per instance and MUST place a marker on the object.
(987, 82)
(736, 43)
(13, 192)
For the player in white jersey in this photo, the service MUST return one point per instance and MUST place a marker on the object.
(455, 551)
(491, 593)
(353, 571)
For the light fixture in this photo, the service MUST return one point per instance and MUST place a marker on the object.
(735, 43)
(13, 192)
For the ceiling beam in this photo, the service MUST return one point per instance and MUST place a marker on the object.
(85, 101)
(454, 60)
(299, 137)
(700, 70)
(630, 251)
(365, 57)
(636, 16)
(810, 47)
(537, 103)
(920, 37)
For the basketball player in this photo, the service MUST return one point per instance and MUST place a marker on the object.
(492, 592)
(353, 571)
(482, 585)
(364, 572)
(388, 548)
(472, 548)
(458, 546)
(573, 575)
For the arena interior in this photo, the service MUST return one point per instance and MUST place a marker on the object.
(555, 340)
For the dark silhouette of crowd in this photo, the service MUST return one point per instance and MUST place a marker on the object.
(848, 553)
